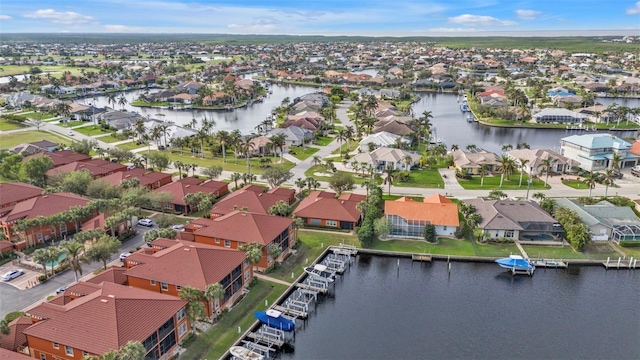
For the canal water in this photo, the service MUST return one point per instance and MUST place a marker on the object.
(449, 122)
(381, 311)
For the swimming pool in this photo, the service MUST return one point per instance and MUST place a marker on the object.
(60, 258)
(545, 237)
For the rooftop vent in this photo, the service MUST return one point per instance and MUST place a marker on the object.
(104, 301)
(111, 296)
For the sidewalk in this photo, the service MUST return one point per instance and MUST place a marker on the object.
(269, 278)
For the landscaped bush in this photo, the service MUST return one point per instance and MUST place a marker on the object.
(501, 241)
(13, 315)
(630, 243)
(42, 278)
(403, 176)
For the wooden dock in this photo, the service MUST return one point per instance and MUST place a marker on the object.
(345, 250)
(313, 288)
(291, 312)
(421, 257)
(620, 264)
(549, 264)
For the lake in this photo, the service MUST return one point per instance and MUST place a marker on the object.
(479, 311)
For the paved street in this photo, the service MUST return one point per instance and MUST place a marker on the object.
(13, 299)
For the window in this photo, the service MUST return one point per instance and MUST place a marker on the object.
(178, 287)
(246, 275)
(217, 241)
(332, 223)
(227, 243)
(56, 346)
(508, 233)
(182, 329)
(68, 350)
(84, 353)
(444, 228)
(63, 228)
(153, 282)
(39, 237)
(168, 206)
(181, 314)
(315, 222)
(43, 356)
(164, 286)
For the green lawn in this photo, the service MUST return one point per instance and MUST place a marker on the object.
(493, 182)
(230, 165)
(323, 141)
(396, 197)
(575, 184)
(496, 250)
(357, 179)
(302, 153)
(11, 140)
(93, 130)
(598, 251)
(110, 139)
(552, 252)
(35, 115)
(10, 125)
(444, 247)
(56, 70)
(74, 123)
(630, 251)
(346, 147)
(129, 145)
(5, 180)
(424, 178)
(215, 342)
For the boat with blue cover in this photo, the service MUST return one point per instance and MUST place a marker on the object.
(275, 319)
(517, 264)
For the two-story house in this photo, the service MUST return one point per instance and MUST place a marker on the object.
(595, 151)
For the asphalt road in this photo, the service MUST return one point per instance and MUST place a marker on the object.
(13, 299)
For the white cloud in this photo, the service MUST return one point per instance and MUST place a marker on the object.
(5, 17)
(479, 20)
(634, 10)
(527, 14)
(59, 17)
(122, 28)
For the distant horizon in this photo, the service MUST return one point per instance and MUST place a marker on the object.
(371, 18)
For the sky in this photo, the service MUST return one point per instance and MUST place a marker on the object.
(324, 17)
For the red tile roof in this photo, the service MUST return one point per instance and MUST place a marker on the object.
(16, 191)
(255, 201)
(96, 167)
(187, 264)
(245, 227)
(635, 148)
(185, 186)
(10, 355)
(104, 319)
(60, 158)
(324, 205)
(146, 177)
(435, 209)
(113, 274)
(44, 205)
(15, 338)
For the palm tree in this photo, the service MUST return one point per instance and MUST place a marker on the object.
(195, 309)
(246, 147)
(317, 160)
(390, 174)
(484, 170)
(546, 165)
(223, 138)
(53, 252)
(40, 256)
(454, 147)
(608, 179)
(590, 179)
(300, 183)
(523, 163)
(179, 165)
(122, 101)
(616, 159)
(213, 293)
(235, 177)
(253, 252)
(111, 99)
(340, 137)
(74, 258)
(279, 141)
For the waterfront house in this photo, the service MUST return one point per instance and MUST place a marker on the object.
(41, 205)
(385, 157)
(323, 209)
(559, 116)
(253, 198)
(294, 135)
(471, 161)
(147, 178)
(595, 151)
(605, 220)
(392, 126)
(559, 164)
(89, 320)
(515, 220)
(238, 228)
(15, 192)
(190, 185)
(408, 217)
(170, 265)
(381, 139)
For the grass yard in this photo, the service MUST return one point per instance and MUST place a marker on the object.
(597, 250)
(351, 147)
(11, 140)
(5, 180)
(302, 153)
(131, 145)
(56, 70)
(10, 125)
(35, 115)
(445, 246)
(575, 184)
(425, 178)
(493, 183)
(357, 179)
(630, 251)
(396, 197)
(323, 141)
(215, 342)
(109, 139)
(552, 252)
(230, 165)
(93, 130)
(496, 250)
(74, 123)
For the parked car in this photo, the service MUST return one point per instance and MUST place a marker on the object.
(178, 227)
(70, 133)
(616, 174)
(635, 172)
(61, 289)
(12, 274)
(145, 222)
(124, 255)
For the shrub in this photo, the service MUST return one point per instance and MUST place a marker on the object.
(629, 243)
(42, 278)
(13, 315)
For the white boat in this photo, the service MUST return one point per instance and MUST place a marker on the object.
(516, 263)
(320, 271)
(243, 353)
